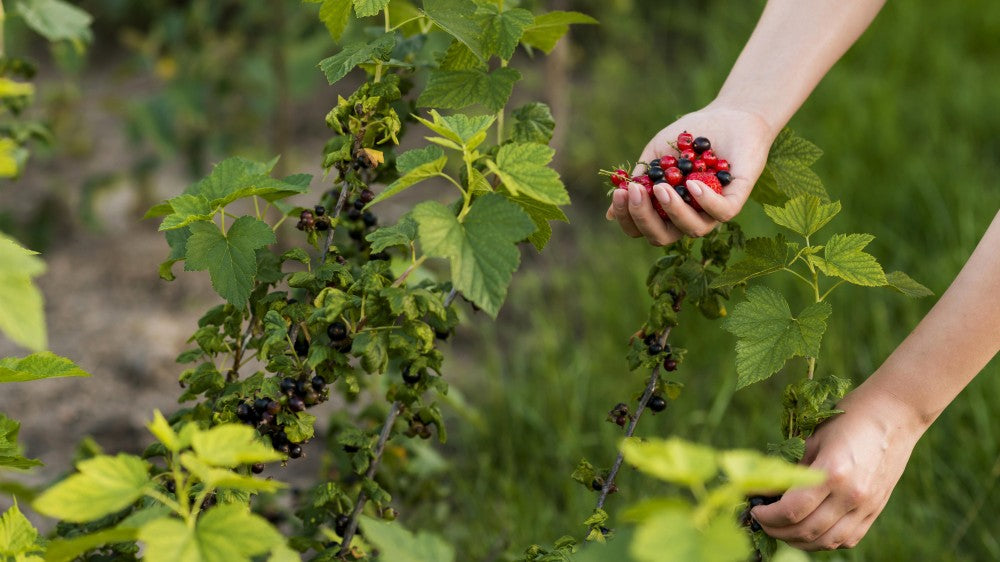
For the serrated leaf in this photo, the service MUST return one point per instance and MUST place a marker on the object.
(843, 257)
(353, 54)
(502, 29)
(753, 472)
(17, 535)
(230, 259)
(230, 445)
(768, 335)
(10, 450)
(763, 256)
(104, 485)
(400, 545)
(402, 233)
(673, 530)
(523, 168)
(56, 20)
(674, 460)
(300, 426)
(414, 167)
(458, 89)
(335, 15)
(792, 449)
(541, 214)
(548, 28)
(455, 17)
(482, 249)
(187, 209)
(899, 281)
(225, 478)
(533, 122)
(22, 317)
(365, 8)
(460, 57)
(41, 365)
(65, 550)
(161, 429)
(460, 130)
(227, 533)
(804, 214)
(788, 171)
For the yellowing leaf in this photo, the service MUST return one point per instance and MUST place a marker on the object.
(104, 485)
(674, 460)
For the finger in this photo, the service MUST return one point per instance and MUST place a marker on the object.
(610, 215)
(793, 507)
(685, 218)
(860, 531)
(645, 217)
(720, 207)
(837, 536)
(808, 531)
(619, 202)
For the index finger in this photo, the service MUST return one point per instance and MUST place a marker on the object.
(792, 508)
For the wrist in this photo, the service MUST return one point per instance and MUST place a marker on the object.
(892, 412)
(768, 124)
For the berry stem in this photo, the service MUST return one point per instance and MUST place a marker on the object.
(352, 525)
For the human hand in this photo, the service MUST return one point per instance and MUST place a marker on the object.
(740, 137)
(863, 452)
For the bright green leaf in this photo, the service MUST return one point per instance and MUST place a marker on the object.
(787, 172)
(414, 166)
(843, 257)
(335, 15)
(104, 485)
(402, 233)
(41, 365)
(460, 57)
(674, 460)
(65, 550)
(763, 256)
(804, 214)
(461, 130)
(10, 450)
(533, 122)
(56, 20)
(160, 428)
(236, 178)
(457, 89)
(523, 168)
(502, 29)
(13, 89)
(482, 249)
(17, 535)
(225, 478)
(187, 209)
(455, 17)
(548, 28)
(365, 8)
(899, 281)
(22, 317)
(9, 150)
(353, 54)
(230, 259)
(541, 214)
(754, 472)
(768, 335)
(227, 533)
(400, 545)
(231, 445)
(672, 536)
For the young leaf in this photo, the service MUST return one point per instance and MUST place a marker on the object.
(674, 460)
(899, 281)
(523, 168)
(455, 18)
(22, 317)
(547, 29)
(161, 429)
(186, 209)
(541, 214)
(17, 536)
(458, 89)
(229, 258)
(533, 122)
(753, 472)
(65, 550)
(56, 20)
(335, 14)
(10, 450)
(230, 445)
(41, 365)
(104, 485)
(804, 214)
(365, 8)
(402, 233)
(502, 29)
(463, 130)
(400, 545)
(225, 478)
(768, 335)
(674, 530)
(763, 256)
(414, 167)
(353, 54)
(787, 172)
(482, 249)
(226, 533)
(843, 257)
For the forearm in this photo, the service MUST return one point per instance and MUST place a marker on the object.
(953, 343)
(794, 44)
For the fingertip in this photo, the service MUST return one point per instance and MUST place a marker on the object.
(662, 194)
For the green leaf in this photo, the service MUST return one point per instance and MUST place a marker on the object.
(460, 57)
(482, 249)
(56, 20)
(787, 172)
(22, 317)
(899, 281)
(365, 8)
(763, 256)
(335, 14)
(502, 30)
(548, 28)
(458, 89)
(104, 485)
(225, 478)
(41, 365)
(402, 233)
(461, 130)
(400, 545)
(843, 257)
(65, 550)
(673, 530)
(228, 533)
(187, 209)
(353, 54)
(523, 168)
(10, 450)
(541, 214)
(674, 460)
(455, 18)
(533, 122)
(804, 214)
(768, 335)
(235, 178)
(414, 167)
(230, 259)
(17, 535)
(231, 445)
(753, 472)
(160, 428)
(792, 449)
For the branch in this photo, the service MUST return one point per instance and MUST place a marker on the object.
(336, 215)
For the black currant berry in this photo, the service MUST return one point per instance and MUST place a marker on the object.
(655, 174)
(655, 348)
(725, 178)
(754, 501)
(685, 166)
(296, 404)
(353, 214)
(273, 407)
(340, 525)
(266, 418)
(359, 204)
(306, 215)
(649, 339)
(597, 484)
(605, 531)
(379, 256)
(683, 192)
(244, 413)
(287, 385)
(318, 383)
(654, 163)
(301, 347)
(670, 364)
(369, 218)
(322, 225)
(410, 376)
(700, 144)
(260, 405)
(337, 331)
(295, 451)
(366, 197)
(171, 486)
(356, 234)
(351, 448)
(441, 334)
(257, 468)
(657, 404)
(361, 163)
(320, 210)
(302, 387)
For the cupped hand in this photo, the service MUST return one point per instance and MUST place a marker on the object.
(863, 452)
(738, 136)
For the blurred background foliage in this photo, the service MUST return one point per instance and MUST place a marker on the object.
(909, 125)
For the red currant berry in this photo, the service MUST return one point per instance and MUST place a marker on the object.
(689, 154)
(722, 165)
(699, 166)
(684, 140)
(668, 161)
(710, 158)
(673, 175)
(643, 181)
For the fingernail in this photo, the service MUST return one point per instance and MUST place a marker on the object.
(695, 188)
(618, 199)
(662, 194)
(634, 195)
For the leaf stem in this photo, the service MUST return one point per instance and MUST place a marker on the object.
(830, 290)
(399, 281)
(176, 507)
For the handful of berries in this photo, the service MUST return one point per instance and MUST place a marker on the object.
(697, 161)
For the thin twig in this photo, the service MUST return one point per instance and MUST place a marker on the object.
(336, 215)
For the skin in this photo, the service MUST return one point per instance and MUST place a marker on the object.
(864, 450)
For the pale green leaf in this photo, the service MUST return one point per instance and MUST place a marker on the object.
(65, 550)
(843, 257)
(365, 8)
(17, 535)
(299, 427)
(533, 122)
(763, 256)
(899, 281)
(754, 472)
(403, 233)
(353, 54)
(524, 170)
(9, 150)
(458, 89)
(56, 20)
(674, 460)
(10, 450)
(41, 365)
(768, 335)
(482, 249)
(672, 536)
(160, 428)
(225, 478)
(461, 130)
(455, 17)
(13, 89)
(230, 445)
(548, 28)
(227, 533)
(230, 259)
(804, 214)
(104, 485)
(414, 167)
(502, 29)
(335, 15)
(400, 545)
(22, 317)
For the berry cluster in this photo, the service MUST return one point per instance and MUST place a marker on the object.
(696, 161)
(263, 413)
(619, 414)
(314, 220)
